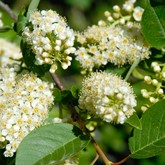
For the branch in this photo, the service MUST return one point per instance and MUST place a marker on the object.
(57, 81)
(122, 161)
(8, 10)
(95, 159)
(101, 153)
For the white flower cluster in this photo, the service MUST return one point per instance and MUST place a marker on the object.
(108, 97)
(1, 23)
(9, 53)
(25, 101)
(115, 44)
(157, 90)
(50, 38)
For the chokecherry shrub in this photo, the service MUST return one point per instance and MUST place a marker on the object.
(116, 82)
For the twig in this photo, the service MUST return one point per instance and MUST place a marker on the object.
(8, 10)
(57, 81)
(101, 153)
(95, 159)
(122, 161)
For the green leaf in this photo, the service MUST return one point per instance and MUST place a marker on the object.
(143, 3)
(29, 59)
(67, 97)
(153, 26)
(32, 7)
(150, 141)
(51, 144)
(75, 91)
(57, 95)
(21, 22)
(117, 70)
(134, 121)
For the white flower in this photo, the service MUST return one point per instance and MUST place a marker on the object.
(137, 13)
(50, 38)
(108, 97)
(128, 6)
(25, 102)
(9, 53)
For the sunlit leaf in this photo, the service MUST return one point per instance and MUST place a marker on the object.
(32, 7)
(21, 22)
(150, 141)
(51, 144)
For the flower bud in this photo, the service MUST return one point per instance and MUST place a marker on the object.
(116, 8)
(160, 91)
(107, 13)
(155, 82)
(157, 68)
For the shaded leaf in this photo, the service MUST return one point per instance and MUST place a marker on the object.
(30, 61)
(51, 144)
(143, 3)
(153, 26)
(118, 70)
(67, 97)
(75, 91)
(57, 95)
(150, 141)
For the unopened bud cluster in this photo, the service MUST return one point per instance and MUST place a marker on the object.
(51, 39)
(156, 83)
(127, 14)
(108, 97)
(25, 102)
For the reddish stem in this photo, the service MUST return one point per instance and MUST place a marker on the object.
(122, 161)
